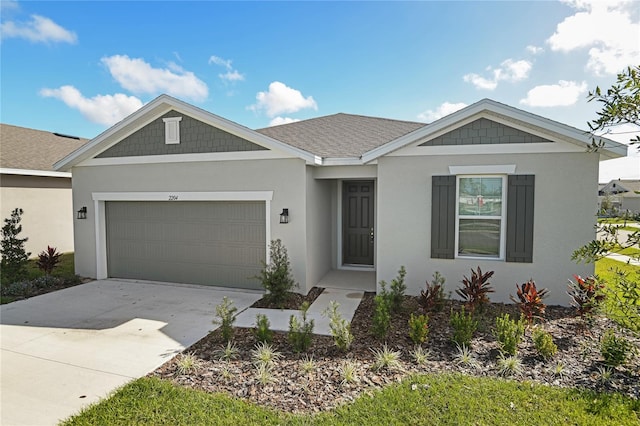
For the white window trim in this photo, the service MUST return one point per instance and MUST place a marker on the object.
(99, 199)
(172, 126)
(503, 218)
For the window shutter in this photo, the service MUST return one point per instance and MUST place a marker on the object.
(443, 216)
(520, 198)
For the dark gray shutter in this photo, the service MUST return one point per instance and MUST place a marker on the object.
(520, 198)
(443, 216)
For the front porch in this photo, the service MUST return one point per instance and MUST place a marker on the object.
(349, 280)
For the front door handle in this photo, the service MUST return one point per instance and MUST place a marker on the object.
(371, 235)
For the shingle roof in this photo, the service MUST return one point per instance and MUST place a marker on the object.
(30, 149)
(340, 135)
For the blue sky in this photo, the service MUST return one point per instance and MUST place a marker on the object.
(79, 67)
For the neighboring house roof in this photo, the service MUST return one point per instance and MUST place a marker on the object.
(33, 152)
(341, 135)
(617, 186)
(340, 138)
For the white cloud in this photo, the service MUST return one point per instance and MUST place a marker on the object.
(138, 76)
(564, 93)
(443, 110)
(231, 76)
(282, 99)
(535, 50)
(607, 28)
(509, 70)
(101, 109)
(282, 120)
(38, 30)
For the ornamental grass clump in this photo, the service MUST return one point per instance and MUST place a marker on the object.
(509, 333)
(529, 301)
(475, 290)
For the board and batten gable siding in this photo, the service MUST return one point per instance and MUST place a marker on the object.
(483, 132)
(195, 137)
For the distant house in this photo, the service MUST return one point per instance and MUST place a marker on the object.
(28, 181)
(621, 194)
(175, 193)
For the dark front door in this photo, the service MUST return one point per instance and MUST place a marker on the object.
(357, 222)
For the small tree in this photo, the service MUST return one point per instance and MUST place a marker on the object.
(14, 256)
(620, 105)
(276, 277)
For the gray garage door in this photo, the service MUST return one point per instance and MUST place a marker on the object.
(209, 243)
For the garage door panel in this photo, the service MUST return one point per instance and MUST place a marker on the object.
(210, 243)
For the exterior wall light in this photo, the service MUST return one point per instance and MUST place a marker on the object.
(82, 213)
(284, 216)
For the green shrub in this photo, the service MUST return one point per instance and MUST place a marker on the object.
(418, 328)
(432, 297)
(262, 330)
(276, 277)
(225, 317)
(381, 315)
(614, 350)
(509, 333)
(463, 328)
(340, 328)
(300, 332)
(14, 257)
(543, 343)
(398, 288)
(475, 290)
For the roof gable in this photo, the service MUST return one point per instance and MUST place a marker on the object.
(157, 108)
(195, 137)
(484, 132)
(507, 115)
(29, 149)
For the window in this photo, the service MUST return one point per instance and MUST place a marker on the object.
(480, 216)
(501, 220)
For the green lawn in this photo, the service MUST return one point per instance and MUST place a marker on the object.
(616, 220)
(436, 400)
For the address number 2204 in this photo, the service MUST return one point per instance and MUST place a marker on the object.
(173, 198)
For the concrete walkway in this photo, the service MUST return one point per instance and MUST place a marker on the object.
(65, 350)
(348, 301)
(624, 259)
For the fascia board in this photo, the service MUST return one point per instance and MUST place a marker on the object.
(26, 172)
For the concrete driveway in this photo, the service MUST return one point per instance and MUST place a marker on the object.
(65, 350)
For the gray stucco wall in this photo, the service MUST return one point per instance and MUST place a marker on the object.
(285, 177)
(484, 131)
(319, 226)
(564, 220)
(195, 137)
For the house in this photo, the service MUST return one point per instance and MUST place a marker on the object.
(622, 195)
(175, 193)
(28, 181)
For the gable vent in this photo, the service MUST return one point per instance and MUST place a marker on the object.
(172, 130)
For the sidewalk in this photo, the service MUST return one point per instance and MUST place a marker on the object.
(624, 259)
(279, 318)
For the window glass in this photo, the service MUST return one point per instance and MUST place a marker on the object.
(480, 196)
(479, 237)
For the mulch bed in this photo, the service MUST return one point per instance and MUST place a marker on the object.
(294, 390)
